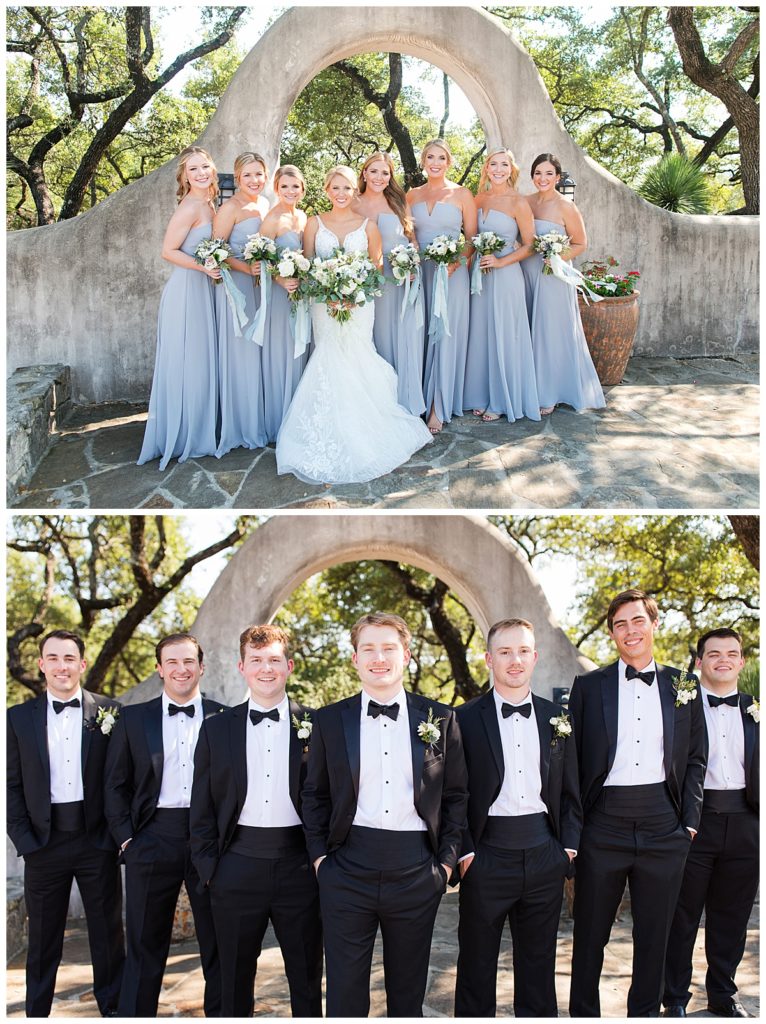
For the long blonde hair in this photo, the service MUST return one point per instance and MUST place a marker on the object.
(484, 182)
(394, 193)
(183, 182)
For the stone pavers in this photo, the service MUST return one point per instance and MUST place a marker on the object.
(677, 433)
(183, 986)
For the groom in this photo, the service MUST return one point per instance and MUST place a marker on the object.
(384, 809)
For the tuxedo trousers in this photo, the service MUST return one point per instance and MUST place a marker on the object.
(48, 875)
(387, 879)
(648, 851)
(245, 894)
(524, 887)
(157, 862)
(721, 877)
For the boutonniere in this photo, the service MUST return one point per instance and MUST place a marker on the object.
(303, 727)
(429, 731)
(754, 710)
(685, 689)
(105, 719)
(562, 727)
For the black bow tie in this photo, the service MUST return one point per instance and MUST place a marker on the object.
(645, 677)
(525, 710)
(732, 700)
(374, 710)
(256, 717)
(59, 705)
(178, 709)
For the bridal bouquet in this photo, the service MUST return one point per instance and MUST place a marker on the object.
(486, 243)
(444, 250)
(405, 266)
(212, 253)
(345, 280)
(549, 245)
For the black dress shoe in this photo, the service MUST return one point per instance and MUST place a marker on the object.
(732, 1009)
(674, 1011)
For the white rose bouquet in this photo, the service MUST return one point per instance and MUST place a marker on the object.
(260, 249)
(548, 245)
(345, 280)
(212, 253)
(405, 266)
(485, 243)
(442, 251)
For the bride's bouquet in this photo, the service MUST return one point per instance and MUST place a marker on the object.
(405, 266)
(212, 253)
(550, 245)
(345, 280)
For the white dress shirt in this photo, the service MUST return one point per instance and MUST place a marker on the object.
(726, 745)
(268, 803)
(638, 760)
(65, 751)
(386, 793)
(179, 739)
(522, 784)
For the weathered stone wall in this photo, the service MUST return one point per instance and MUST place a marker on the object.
(466, 552)
(86, 292)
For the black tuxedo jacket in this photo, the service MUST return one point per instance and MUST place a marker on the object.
(486, 768)
(29, 775)
(332, 785)
(135, 764)
(593, 704)
(220, 781)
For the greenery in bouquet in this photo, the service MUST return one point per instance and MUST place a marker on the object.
(344, 280)
(212, 253)
(487, 243)
(444, 249)
(292, 263)
(602, 279)
(260, 249)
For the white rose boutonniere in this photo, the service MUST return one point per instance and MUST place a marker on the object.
(754, 710)
(562, 727)
(685, 688)
(105, 719)
(429, 731)
(303, 726)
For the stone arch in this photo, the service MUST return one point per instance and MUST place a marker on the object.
(468, 553)
(699, 274)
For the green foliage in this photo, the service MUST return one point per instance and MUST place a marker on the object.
(750, 678)
(676, 184)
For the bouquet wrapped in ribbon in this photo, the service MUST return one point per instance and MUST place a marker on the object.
(443, 250)
(212, 253)
(345, 280)
(292, 263)
(550, 246)
(260, 249)
(486, 243)
(405, 266)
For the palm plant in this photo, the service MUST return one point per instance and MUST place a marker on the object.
(677, 184)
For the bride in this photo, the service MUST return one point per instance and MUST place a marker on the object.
(344, 424)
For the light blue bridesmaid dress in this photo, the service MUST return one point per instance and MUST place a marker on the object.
(564, 368)
(400, 341)
(281, 371)
(500, 371)
(240, 386)
(183, 406)
(446, 355)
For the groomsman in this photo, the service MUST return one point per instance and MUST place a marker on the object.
(384, 810)
(721, 872)
(148, 789)
(56, 748)
(524, 823)
(248, 844)
(641, 751)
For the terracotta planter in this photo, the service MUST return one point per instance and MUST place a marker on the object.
(610, 327)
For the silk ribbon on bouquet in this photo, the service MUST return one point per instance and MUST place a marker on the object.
(570, 275)
(439, 307)
(476, 275)
(236, 301)
(257, 327)
(300, 324)
(410, 297)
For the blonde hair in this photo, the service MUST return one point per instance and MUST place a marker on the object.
(289, 171)
(484, 182)
(344, 172)
(394, 193)
(442, 145)
(181, 178)
(248, 158)
(381, 619)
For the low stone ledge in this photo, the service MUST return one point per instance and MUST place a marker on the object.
(39, 398)
(16, 917)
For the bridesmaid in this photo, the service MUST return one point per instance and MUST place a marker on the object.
(239, 361)
(400, 341)
(500, 372)
(281, 370)
(440, 207)
(565, 371)
(183, 402)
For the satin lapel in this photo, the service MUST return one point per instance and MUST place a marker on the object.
(610, 695)
(296, 753)
(40, 726)
(544, 731)
(89, 710)
(153, 733)
(668, 701)
(349, 715)
(416, 715)
(489, 720)
(238, 746)
(750, 729)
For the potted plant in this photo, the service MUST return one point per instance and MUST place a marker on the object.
(609, 325)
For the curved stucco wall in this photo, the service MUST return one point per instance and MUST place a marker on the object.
(86, 292)
(469, 554)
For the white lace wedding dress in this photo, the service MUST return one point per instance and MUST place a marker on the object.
(344, 424)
